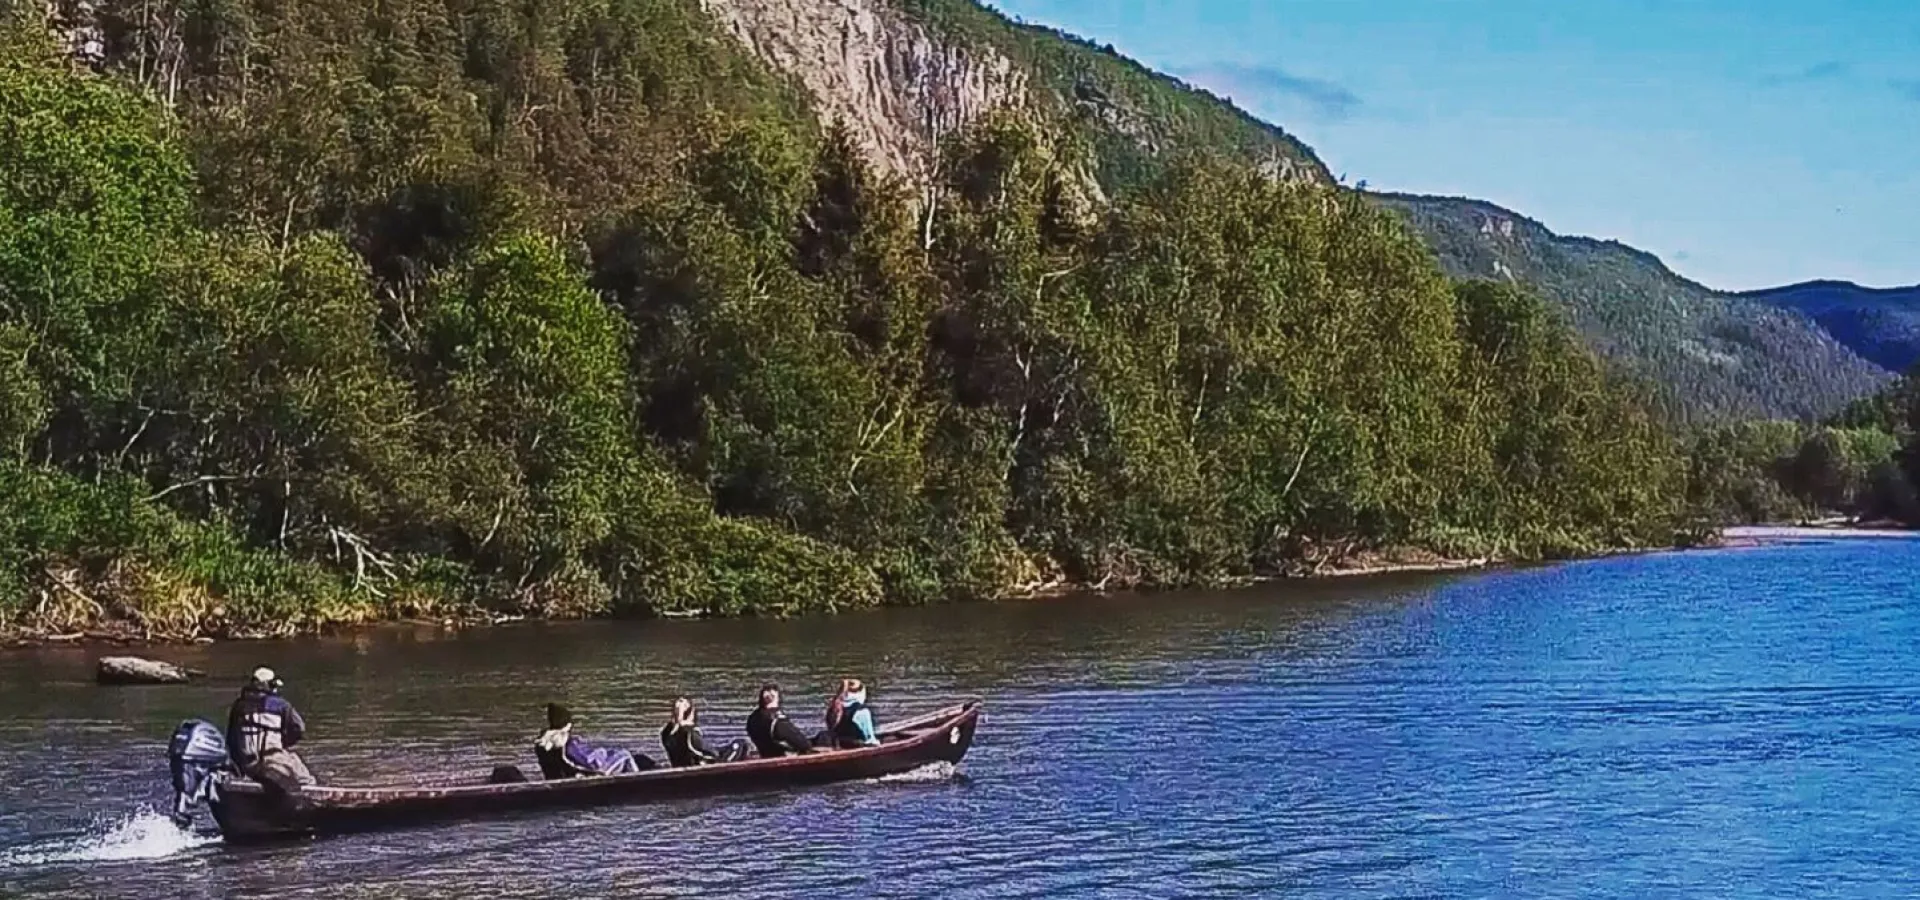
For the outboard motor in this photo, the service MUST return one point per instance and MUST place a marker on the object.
(197, 751)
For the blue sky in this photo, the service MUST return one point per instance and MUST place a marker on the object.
(1749, 143)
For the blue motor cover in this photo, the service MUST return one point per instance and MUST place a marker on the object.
(197, 751)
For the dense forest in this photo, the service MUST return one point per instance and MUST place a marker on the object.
(1710, 358)
(1863, 462)
(1706, 357)
(1880, 324)
(323, 314)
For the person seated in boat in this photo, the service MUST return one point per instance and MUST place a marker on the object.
(684, 745)
(849, 718)
(562, 755)
(836, 710)
(772, 733)
(262, 728)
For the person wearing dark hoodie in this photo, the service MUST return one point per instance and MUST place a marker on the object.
(772, 733)
(562, 755)
(684, 745)
(262, 728)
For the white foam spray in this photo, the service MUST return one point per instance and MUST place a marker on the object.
(144, 834)
(927, 774)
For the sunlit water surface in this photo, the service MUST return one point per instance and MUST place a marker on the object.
(1731, 724)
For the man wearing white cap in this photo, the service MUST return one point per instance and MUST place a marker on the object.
(261, 728)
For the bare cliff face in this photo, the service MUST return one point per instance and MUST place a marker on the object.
(896, 87)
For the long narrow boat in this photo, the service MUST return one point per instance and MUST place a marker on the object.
(246, 812)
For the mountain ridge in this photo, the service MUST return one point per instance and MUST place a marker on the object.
(1880, 324)
(1711, 355)
(1897, 291)
(1613, 244)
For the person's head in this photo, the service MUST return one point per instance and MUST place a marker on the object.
(264, 681)
(683, 712)
(769, 696)
(851, 686)
(558, 716)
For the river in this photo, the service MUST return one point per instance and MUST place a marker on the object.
(1740, 723)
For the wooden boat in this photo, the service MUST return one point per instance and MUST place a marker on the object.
(247, 812)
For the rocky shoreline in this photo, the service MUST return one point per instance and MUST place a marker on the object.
(1360, 563)
(1353, 564)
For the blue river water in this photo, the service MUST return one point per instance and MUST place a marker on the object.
(1730, 724)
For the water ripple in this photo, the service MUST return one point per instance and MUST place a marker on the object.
(1724, 724)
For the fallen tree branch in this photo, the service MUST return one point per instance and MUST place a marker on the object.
(204, 480)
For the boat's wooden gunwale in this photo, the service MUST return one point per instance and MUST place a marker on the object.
(908, 735)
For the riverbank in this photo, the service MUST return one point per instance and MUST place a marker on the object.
(1348, 562)
(1722, 676)
(1762, 535)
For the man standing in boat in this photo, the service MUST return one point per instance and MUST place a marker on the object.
(262, 727)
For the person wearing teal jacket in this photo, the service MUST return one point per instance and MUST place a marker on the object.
(854, 727)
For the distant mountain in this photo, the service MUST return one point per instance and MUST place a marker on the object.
(1881, 324)
(903, 73)
(1713, 354)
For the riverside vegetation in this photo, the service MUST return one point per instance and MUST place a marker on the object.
(1863, 462)
(319, 314)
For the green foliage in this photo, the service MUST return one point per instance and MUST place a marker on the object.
(72, 551)
(1583, 464)
(23, 402)
(528, 370)
(1711, 357)
(90, 198)
(1773, 471)
(572, 311)
(1895, 410)
(1882, 436)
(1736, 470)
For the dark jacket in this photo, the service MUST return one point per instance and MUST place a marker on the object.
(685, 746)
(836, 710)
(773, 734)
(260, 722)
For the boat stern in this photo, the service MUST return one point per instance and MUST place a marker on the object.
(246, 813)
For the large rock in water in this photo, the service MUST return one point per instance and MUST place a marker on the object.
(134, 670)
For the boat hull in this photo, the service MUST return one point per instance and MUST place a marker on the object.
(246, 812)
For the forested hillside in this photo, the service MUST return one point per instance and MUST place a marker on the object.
(1863, 462)
(1880, 324)
(315, 314)
(919, 67)
(1711, 356)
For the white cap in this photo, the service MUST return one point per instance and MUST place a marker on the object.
(263, 675)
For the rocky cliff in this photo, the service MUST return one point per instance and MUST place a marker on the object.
(901, 73)
(895, 85)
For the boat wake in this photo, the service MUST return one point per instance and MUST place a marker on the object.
(144, 834)
(927, 774)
